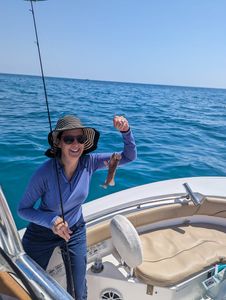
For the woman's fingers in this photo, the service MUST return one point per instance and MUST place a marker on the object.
(121, 123)
(62, 229)
(64, 233)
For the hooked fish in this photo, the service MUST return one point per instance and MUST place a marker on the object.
(112, 165)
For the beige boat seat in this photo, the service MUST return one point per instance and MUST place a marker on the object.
(210, 207)
(10, 288)
(172, 255)
(126, 241)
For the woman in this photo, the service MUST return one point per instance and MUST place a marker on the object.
(65, 178)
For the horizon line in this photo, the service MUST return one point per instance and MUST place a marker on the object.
(113, 81)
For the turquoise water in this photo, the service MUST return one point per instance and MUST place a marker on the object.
(179, 131)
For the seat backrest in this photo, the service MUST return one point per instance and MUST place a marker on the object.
(126, 241)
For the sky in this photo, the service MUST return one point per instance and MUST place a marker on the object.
(172, 42)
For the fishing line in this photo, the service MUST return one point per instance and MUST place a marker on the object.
(70, 276)
(40, 62)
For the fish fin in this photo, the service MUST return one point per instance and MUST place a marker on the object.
(106, 163)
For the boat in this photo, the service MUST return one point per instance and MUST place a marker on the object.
(160, 241)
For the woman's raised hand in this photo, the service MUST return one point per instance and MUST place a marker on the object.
(121, 123)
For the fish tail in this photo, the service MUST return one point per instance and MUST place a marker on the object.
(104, 186)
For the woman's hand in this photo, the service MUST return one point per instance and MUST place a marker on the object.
(121, 123)
(61, 228)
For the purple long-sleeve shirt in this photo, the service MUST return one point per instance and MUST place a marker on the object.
(43, 185)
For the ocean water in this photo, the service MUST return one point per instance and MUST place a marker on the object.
(179, 131)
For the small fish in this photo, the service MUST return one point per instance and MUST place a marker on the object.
(112, 165)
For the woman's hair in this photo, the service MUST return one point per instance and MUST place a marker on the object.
(60, 134)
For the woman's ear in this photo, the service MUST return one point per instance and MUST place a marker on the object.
(50, 139)
(57, 143)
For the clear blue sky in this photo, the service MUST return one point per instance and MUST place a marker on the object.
(175, 42)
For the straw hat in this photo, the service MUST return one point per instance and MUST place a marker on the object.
(69, 123)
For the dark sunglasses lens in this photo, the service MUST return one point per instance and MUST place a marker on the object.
(69, 139)
(81, 139)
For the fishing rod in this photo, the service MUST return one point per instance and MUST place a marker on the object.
(70, 275)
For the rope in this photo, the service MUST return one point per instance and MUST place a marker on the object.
(70, 276)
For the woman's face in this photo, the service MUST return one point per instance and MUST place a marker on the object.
(70, 144)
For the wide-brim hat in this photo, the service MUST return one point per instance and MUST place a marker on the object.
(69, 123)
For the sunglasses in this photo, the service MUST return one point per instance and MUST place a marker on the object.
(69, 139)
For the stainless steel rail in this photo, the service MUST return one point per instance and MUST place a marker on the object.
(9, 237)
(140, 204)
(145, 203)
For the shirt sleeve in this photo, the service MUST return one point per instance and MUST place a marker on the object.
(34, 191)
(129, 152)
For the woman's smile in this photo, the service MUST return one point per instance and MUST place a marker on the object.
(70, 145)
(76, 151)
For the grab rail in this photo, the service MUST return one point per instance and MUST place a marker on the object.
(144, 203)
(9, 237)
(140, 204)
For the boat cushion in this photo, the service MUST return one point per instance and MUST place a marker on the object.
(172, 255)
(210, 207)
(10, 288)
(126, 241)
